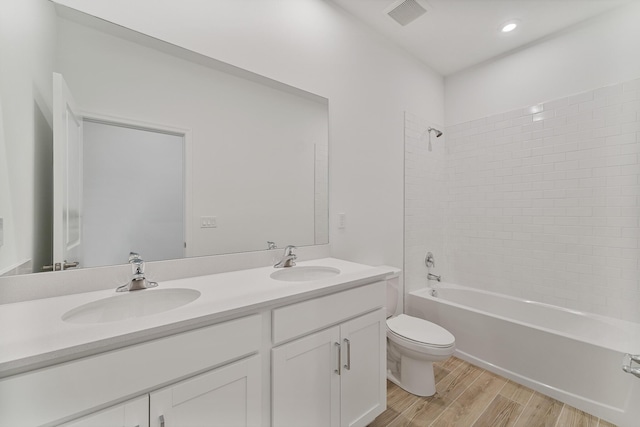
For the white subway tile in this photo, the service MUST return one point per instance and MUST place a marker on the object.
(555, 122)
(558, 103)
(554, 140)
(579, 173)
(567, 129)
(623, 221)
(582, 97)
(566, 165)
(627, 159)
(587, 106)
(630, 169)
(631, 86)
(533, 109)
(552, 158)
(607, 171)
(567, 110)
(608, 91)
(543, 116)
(631, 106)
(630, 148)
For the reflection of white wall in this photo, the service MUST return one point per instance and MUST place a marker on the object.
(8, 254)
(321, 192)
(133, 195)
(253, 146)
(27, 47)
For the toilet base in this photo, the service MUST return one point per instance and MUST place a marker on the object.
(416, 377)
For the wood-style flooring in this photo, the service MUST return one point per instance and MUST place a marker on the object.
(468, 396)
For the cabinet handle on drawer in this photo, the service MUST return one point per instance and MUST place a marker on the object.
(628, 367)
(161, 418)
(339, 370)
(348, 365)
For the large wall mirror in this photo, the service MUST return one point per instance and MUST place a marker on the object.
(164, 152)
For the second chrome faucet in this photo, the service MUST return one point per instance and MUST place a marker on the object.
(288, 258)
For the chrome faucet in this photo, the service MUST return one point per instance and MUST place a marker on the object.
(138, 281)
(430, 262)
(288, 259)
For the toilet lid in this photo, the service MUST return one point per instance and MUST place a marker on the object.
(420, 330)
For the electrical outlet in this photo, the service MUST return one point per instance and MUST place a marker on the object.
(208, 222)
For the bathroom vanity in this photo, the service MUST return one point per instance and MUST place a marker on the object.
(250, 350)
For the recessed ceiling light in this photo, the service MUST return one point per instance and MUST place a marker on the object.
(509, 26)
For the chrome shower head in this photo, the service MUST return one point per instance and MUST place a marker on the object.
(438, 133)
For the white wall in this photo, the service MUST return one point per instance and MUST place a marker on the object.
(313, 45)
(27, 49)
(594, 54)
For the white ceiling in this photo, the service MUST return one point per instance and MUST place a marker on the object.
(456, 34)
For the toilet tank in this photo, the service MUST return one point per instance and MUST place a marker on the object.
(393, 292)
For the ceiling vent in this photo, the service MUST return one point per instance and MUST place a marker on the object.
(405, 11)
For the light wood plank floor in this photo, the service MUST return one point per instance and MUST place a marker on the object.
(467, 396)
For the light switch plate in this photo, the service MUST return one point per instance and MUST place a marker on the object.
(342, 220)
(208, 222)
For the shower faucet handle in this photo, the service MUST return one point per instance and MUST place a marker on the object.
(429, 260)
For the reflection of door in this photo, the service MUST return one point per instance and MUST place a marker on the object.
(67, 176)
(133, 193)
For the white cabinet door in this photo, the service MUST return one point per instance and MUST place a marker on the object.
(131, 414)
(305, 381)
(364, 386)
(229, 396)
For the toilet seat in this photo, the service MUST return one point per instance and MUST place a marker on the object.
(415, 332)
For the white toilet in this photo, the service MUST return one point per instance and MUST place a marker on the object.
(412, 346)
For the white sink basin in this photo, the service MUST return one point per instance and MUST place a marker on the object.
(304, 273)
(131, 305)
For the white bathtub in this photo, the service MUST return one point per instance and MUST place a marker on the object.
(572, 356)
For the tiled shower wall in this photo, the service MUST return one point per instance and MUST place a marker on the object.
(544, 202)
(425, 201)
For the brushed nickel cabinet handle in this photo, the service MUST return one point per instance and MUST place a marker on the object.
(348, 365)
(339, 370)
(161, 418)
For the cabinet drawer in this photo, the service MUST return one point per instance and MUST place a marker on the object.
(299, 319)
(59, 392)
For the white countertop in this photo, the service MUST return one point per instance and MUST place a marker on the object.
(34, 335)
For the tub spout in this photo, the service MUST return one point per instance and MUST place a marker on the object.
(434, 277)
